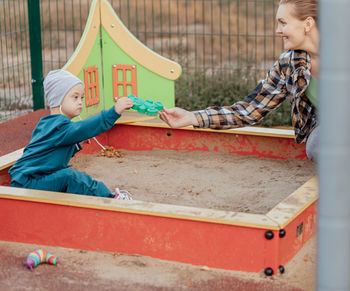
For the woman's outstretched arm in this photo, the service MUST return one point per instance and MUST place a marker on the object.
(266, 97)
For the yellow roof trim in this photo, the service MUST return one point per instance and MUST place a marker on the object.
(92, 28)
(134, 48)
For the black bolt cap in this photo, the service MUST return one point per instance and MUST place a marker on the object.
(269, 234)
(282, 233)
(268, 272)
(281, 269)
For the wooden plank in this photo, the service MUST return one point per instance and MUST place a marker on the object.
(131, 117)
(140, 207)
(8, 160)
(287, 210)
(297, 232)
(248, 130)
(189, 241)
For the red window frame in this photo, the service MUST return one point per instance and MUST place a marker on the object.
(92, 91)
(124, 82)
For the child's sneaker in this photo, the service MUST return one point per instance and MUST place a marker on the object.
(122, 194)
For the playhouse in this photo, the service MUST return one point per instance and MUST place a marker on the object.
(113, 63)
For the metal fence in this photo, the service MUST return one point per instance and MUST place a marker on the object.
(205, 36)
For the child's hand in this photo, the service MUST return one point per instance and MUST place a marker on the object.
(86, 141)
(122, 104)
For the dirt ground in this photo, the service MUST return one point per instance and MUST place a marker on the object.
(87, 270)
(200, 179)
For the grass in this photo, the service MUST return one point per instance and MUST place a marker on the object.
(196, 91)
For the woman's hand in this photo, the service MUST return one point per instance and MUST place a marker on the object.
(122, 104)
(178, 117)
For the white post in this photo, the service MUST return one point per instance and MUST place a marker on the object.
(333, 266)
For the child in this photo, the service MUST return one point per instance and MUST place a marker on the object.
(55, 140)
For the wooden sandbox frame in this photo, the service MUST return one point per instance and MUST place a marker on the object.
(213, 238)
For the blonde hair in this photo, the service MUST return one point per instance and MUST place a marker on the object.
(304, 8)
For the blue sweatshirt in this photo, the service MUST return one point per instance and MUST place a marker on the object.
(55, 141)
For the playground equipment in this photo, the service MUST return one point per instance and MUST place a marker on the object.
(213, 238)
(108, 51)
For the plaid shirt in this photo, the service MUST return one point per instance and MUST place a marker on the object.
(289, 77)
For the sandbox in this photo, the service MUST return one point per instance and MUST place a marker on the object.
(173, 224)
(188, 221)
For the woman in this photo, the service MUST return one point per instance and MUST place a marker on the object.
(293, 76)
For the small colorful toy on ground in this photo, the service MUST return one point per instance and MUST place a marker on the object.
(40, 256)
(146, 107)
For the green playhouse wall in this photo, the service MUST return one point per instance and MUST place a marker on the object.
(149, 85)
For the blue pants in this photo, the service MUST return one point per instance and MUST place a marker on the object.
(67, 180)
(312, 145)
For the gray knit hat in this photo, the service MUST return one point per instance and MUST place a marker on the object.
(57, 84)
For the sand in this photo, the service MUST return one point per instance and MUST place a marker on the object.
(87, 270)
(200, 179)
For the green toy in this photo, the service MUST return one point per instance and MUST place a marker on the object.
(146, 107)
